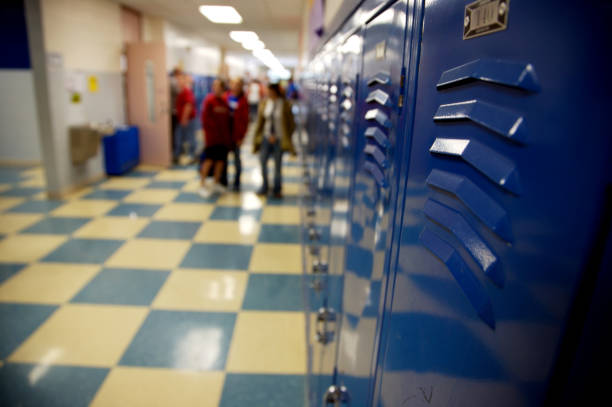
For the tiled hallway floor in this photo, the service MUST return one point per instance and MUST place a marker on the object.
(137, 292)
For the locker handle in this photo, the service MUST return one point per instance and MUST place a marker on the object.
(468, 282)
(378, 116)
(378, 96)
(502, 121)
(381, 78)
(376, 134)
(347, 105)
(509, 73)
(481, 204)
(379, 177)
(493, 165)
(375, 152)
(458, 226)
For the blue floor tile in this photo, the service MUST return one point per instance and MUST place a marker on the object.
(21, 192)
(279, 234)
(262, 390)
(289, 200)
(10, 175)
(57, 226)
(17, 322)
(141, 174)
(218, 256)
(167, 184)
(36, 206)
(182, 340)
(273, 292)
(193, 197)
(233, 213)
(109, 194)
(170, 230)
(93, 251)
(9, 270)
(127, 209)
(122, 287)
(50, 386)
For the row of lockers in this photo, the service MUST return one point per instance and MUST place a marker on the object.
(456, 203)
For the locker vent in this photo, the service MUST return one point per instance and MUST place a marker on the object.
(378, 121)
(494, 166)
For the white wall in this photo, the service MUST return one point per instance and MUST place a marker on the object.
(20, 136)
(86, 32)
(190, 52)
(86, 37)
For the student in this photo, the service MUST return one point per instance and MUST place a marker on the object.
(254, 96)
(239, 109)
(185, 112)
(216, 125)
(273, 132)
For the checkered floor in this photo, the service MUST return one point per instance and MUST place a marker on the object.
(137, 292)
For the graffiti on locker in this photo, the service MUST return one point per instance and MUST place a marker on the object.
(496, 167)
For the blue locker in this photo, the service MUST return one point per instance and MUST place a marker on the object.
(503, 200)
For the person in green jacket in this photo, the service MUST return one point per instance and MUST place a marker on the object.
(273, 132)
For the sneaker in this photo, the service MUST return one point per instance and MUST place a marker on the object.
(262, 191)
(278, 195)
(204, 192)
(218, 188)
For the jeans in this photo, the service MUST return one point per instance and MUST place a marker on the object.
(271, 150)
(237, 165)
(184, 134)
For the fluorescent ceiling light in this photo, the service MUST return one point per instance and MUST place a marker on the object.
(242, 36)
(253, 45)
(221, 14)
(268, 59)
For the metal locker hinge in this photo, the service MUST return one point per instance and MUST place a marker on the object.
(336, 395)
(313, 233)
(324, 316)
(319, 267)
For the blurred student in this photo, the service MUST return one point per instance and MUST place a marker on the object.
(186, 113)
(293, 91)
(217, 137)
(273, 132)
(239, 110)
(254, 95)
(175, 89)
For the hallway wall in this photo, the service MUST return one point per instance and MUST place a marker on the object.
(84, 39)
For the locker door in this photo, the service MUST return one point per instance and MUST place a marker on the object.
(330, 216)
(322, 288)
(371, 204)
(507, 171)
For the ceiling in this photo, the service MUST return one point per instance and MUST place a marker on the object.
(277, 22)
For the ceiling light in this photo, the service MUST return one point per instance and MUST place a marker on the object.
(221, 14)
(253, 45)
(242, 36)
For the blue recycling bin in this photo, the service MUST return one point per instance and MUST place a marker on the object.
(121, 150)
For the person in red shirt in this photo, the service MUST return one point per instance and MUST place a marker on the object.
(186, 113)
(239, 108)
(217, 138)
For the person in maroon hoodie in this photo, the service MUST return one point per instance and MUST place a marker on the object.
(186, 113)
(239, 108)
(217, 137)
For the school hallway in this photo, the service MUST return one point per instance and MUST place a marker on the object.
(138, 292)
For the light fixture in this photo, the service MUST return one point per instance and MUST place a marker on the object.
(242, 36)
(268, 59)
(253, 45)
(221, 14)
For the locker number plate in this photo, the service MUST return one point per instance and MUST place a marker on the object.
(484, 17)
